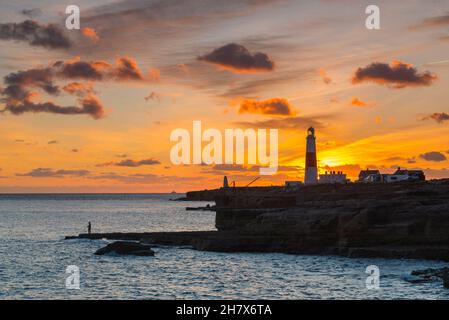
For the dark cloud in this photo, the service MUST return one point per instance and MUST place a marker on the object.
(274, 106)
(134, 163)
(439, 117)
(237, 58)
(48, 36)
(17, 83)
(81, 69)
(145, 178)
(23, 86)
(130, 163)
(401, 159)
(433, 156)
(50, 173)
(53, 142)
(153, 96)
(397, 75)
(125, 68)
(105, 164)
(89, 105)
(395, 159)
(31, 13)
(75, 150)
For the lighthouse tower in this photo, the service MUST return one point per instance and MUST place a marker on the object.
(311, 173)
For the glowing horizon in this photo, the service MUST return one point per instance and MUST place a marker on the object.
(377, 98)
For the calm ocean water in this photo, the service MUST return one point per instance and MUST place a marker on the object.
(34, 257)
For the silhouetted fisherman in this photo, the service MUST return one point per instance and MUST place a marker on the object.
(89, 227)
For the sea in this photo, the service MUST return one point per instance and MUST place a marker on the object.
(37, 263)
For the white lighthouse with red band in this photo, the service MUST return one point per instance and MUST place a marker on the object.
(311, 173)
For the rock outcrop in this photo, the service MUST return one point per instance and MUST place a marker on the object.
(126, 248)
(403, 220)
(407, 219)
(428, 275)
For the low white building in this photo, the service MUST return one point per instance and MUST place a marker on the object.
(374, 176)
(333, 177)
(388, 178)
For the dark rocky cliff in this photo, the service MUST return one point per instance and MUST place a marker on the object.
(404, 220)
(412, 218)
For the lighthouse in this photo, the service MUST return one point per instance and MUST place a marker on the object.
(311, 173)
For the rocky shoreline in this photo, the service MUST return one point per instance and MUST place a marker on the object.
(232, 242)
(403, 220)
(429, 275)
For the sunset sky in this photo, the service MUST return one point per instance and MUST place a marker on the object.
(91, 110)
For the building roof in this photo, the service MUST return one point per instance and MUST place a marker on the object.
(368, 172)
(405, 171)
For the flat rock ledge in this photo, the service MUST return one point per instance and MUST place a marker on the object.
(220, 241)
(397, 220)
(126, 248)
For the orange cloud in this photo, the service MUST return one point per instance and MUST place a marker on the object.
(325, 77)
(358, 103)
(78, 89)
(378, 120)
(154, 74)
(127, 69)
(91, 34)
